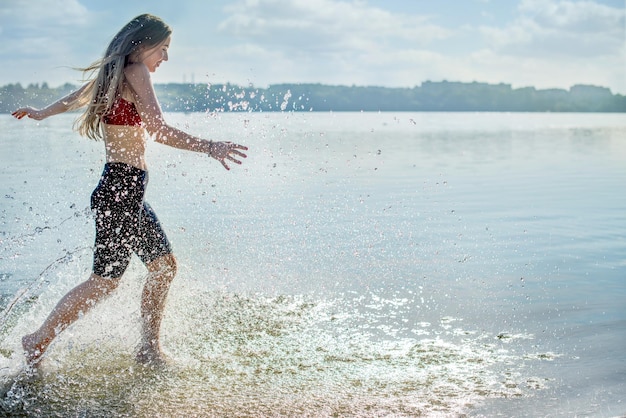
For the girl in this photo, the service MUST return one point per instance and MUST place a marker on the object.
(121, 106)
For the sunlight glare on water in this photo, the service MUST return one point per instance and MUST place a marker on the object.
(258, 356)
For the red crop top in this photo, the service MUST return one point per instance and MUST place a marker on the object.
(122, 112)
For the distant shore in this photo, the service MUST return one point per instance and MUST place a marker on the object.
(442, 96)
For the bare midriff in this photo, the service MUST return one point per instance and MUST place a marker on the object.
(125, 144)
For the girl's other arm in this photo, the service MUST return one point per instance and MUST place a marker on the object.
(62, 105)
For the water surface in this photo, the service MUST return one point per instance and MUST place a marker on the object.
(357, 264)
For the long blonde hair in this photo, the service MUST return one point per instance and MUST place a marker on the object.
(143, 32)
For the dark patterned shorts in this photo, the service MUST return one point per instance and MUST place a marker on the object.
(125, 224)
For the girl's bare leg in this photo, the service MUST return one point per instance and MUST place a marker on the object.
(161, 274)
(77, 301)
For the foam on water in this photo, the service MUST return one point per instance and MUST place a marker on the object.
(254, 355)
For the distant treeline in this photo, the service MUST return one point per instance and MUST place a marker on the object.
(430, 96)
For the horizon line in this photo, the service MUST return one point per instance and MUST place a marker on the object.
(251, 85)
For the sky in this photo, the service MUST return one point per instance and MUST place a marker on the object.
(390, 43)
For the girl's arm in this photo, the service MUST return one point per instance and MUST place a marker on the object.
(138, 76)
(62, 105)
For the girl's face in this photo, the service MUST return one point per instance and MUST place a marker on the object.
(153, 57)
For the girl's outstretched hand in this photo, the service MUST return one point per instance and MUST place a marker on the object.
(223, 151)
(31, 112)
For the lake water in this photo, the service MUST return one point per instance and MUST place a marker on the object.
(357, 264)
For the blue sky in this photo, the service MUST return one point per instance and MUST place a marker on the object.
(541, 43)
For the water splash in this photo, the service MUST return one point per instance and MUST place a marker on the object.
(277, 356)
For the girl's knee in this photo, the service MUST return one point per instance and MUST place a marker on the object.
(172, 266)
(104, 284)
(165, 266)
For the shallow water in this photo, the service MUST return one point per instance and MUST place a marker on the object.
(358, 264)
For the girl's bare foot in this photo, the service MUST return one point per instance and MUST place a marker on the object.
(151, 356)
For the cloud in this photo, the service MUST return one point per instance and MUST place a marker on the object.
(337, 42)
(556, 43)
(544, 43)
(325, 25)
(552, 28)
(44, 39)
(50, 20)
